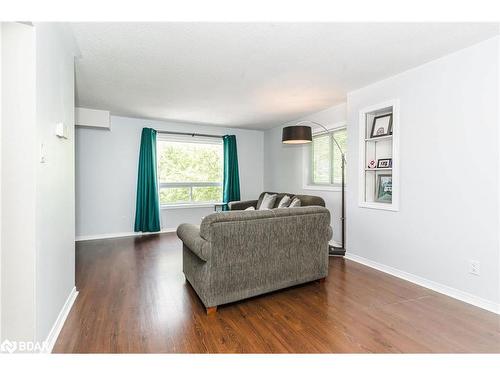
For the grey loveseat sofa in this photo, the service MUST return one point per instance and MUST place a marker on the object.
(239, 254)
(305, 200)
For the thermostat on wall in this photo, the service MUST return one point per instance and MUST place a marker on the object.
(61, 130)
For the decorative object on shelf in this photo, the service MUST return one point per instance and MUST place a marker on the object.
(384, 188)
(219, 207)
(300, 134)
(372, 164)
(382, 126)
(378, 137)
(384, 163)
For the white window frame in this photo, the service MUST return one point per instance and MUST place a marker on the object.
(190, 185)
(307, 160)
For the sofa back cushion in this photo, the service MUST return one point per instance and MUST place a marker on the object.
(209, 223)
(284, 202)
(267, 202)
(310, 200)
(305, 200)
(279, 196)
(284, 239)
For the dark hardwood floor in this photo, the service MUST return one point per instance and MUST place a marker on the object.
(134, 298)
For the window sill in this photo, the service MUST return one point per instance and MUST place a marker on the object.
(188, 205)
(322, 188)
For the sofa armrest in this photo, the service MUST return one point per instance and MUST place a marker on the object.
(190, 236)
(242, 205)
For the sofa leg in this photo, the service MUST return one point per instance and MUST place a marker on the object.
(211, 310)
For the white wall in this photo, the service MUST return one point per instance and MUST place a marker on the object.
(18, 182)
(55, 195)
(284, 167)
(449, 176)
(1, 26)
(106, 174)
(37, 199)
(498, 137)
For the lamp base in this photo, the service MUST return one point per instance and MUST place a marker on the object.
(336, 251)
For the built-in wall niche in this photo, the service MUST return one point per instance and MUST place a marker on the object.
(379, 156)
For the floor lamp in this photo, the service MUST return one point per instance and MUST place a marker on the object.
(300, 134)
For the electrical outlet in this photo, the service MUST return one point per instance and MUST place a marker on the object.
(474, 268)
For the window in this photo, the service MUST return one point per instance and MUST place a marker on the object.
(326, 158)
(189, 170)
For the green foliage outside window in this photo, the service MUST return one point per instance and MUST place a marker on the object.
(174, 195)
(327, 159)
(341, 138)
(187, 165)
(321, 159)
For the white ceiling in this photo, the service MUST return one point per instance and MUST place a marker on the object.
(248, 75)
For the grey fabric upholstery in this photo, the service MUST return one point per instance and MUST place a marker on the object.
(242, 205)
(310, 200)
(305, 200)
(239, 254)
(295, 202)
(267, 202)
(197, 244)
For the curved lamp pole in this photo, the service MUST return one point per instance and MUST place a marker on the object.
(296, 135)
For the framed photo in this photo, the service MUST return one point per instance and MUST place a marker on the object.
(384, 163)
(384, 188)
(382, 126)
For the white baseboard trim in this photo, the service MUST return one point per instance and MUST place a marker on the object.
(122, 234)
(437, 287)
(58, 324)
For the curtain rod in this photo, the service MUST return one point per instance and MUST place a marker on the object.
(190, 134)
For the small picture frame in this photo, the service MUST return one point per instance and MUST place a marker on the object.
(384, 188)
(219, 207)
(384, 163)
(382, 126)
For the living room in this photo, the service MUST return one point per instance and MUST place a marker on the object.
(250, 187)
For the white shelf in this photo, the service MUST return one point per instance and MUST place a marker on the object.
(378, 206)
(377, 139)
(374, 149)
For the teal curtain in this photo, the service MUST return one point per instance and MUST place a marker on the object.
(147, 207)
(231, 187)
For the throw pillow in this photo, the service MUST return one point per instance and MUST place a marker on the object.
(251, 208)
(284, 202)
(295, 203)
(267, 202)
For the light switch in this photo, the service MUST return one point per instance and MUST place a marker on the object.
(43, 157)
